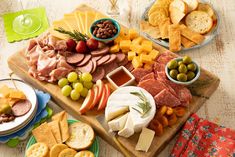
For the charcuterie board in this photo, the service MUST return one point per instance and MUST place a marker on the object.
(201, 90)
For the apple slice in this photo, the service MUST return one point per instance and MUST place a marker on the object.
(96, 98)
(100, 85)
(104, 98)
(87, 102)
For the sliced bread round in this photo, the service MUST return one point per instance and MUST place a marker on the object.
(179, 4)
(208, 9)
(81, 136)
(192, 4)
(199, 21)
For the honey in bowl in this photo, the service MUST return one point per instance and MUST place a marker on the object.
(120, 77)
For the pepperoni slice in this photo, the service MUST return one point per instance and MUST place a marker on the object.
(21, 108)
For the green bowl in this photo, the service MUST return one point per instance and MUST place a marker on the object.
(116, 24)
(197, 73)
(94, 147)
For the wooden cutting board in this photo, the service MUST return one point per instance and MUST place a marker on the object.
(202, 89)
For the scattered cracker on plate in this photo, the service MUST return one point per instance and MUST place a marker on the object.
(38, 150)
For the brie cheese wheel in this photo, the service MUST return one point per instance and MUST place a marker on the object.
(128, 129)
(122, 98)
(115, 112)
(118, 123)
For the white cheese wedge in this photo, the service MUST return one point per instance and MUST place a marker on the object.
(79, 23)
(128, 129)
(116, 112)
(90, 17)
(118, 123)
(70, 20)
(145, 140)
(58, 24)
(122, 97)
(82, 19)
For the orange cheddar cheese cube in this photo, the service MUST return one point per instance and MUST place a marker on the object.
(153, 54)
(125, 45)
(114, 48)
(136, 62)
(17, 95)
(131, 55)
(145, 59)
(147, 46)
(133, 34)
(137, 41)
(136, 48)
(117, 40)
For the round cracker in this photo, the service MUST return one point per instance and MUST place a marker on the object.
(199, 21)
(155, 8)
(68, 152)
(84, 153)
(56, 149)
(163, 3)
(156, 17)
(37, 150)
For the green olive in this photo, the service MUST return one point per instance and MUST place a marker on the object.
(182, 77)
(174, 73)
(182, 68)
(180, 62)
(191, 67)
(172, 64)
(187, 60)
(190, 75)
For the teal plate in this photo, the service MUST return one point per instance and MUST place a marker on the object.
(94, 147)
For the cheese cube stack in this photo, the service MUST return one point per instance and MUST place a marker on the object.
(78, 20)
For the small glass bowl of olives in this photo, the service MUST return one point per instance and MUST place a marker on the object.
(182, 71)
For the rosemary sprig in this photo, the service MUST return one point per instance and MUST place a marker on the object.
(75, 34)
(144, 104)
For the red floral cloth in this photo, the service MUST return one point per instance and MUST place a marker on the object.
(201, 138)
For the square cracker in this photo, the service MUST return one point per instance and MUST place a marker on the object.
(174, 38)
(64, 127)
(55, 128)
(186, 42)
(163, 27)
(44, 134)
(153, 31)
(191, 35)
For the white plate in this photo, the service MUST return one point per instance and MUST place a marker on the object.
(19, 122)
(208, 37)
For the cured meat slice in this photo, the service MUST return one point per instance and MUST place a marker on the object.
(129, 66)
(84, 61)
(100, 52)
(120, 57)
(165, 57)
(110, 67)
(148, 76)
(21, 108)
(165, 97)
(124, 62)
(103, 59)
(152, 86)
(158, 67)
(94, 66)
(184, 95)
(111, 59)
(140, 72)
(96, 58)
(75, 58)
(98, 74)
(86, 68)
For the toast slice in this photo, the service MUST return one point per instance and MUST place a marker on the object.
(179, 4)
(208, 9)
(192, 4)
(176, 15)
(174, 38)
(199, 21)
(191, 35)
(163, 27)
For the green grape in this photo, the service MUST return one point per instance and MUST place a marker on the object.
(78, 87)
(86, 77)
(84, 92)
(74, 95)
(72, 76)
(62, 82)
(88, 85)
(66, 90)
(80, 77)
(73, 84)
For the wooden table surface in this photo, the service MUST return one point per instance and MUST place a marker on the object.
(217, 57)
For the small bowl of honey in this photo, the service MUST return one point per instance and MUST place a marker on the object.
(120, 77)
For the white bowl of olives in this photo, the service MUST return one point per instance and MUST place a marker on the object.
(182, 71)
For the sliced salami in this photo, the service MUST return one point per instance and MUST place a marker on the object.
(129, 66)
(140, 72)
(85, 60)
(111, 59)
(103, 59)
(21, 108)
(98, 74)
(75, 58)
(152, 86)
(120, 57)
(100, 52)
(86, 68)
(165, 97)
(148, 76)
(94, 66)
